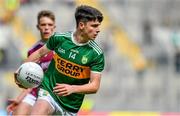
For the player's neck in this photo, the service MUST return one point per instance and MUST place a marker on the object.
(78, 36)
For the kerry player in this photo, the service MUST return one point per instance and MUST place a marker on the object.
(76, 66)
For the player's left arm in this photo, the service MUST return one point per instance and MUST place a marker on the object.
(97, 67)
(89, 88)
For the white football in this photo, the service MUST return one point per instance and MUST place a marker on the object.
(30, 75)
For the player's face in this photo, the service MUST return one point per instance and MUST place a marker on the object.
(46, 27)
(91, 29)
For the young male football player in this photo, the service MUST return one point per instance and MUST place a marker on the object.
(76, 66)
(22, 105)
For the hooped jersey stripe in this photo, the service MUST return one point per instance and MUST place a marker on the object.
(71, 69)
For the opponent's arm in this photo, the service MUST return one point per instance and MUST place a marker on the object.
(14, 102)
(23, 94)
(35, 56)
(91, 87)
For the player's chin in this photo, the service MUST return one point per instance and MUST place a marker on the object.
(46, 37)
(93, 38)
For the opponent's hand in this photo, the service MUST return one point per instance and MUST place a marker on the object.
(13, 103)
(62, 89)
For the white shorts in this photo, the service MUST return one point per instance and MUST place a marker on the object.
(43, 94)
(30, 99)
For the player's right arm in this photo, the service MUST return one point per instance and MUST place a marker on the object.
(38, 54)
(35, 56)
(50, 45)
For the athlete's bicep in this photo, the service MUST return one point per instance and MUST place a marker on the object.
(95, 79)
(43, 50)
(35, 56)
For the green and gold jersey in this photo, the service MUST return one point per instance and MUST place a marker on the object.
(72, 64)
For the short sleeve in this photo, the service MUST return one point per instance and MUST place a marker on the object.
(52, 42)
(98, 63)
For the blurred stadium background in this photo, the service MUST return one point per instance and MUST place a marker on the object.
(140, 38)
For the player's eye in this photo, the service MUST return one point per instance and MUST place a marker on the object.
(43, 25)
(95, 25)
(50, 24)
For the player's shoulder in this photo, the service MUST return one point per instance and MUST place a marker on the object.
(37, 44)
(63, 34)
(95, 47)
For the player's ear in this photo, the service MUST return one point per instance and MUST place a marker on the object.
(81, 25)
(37, 27)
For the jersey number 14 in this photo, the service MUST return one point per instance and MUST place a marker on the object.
(72, 55)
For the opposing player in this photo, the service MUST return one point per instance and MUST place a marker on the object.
(22, 105)
(76, 66)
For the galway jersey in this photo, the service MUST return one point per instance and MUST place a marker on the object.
(71, 64)
(43, 62)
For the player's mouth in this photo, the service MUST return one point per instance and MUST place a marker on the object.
(95, 35)
(46, 33)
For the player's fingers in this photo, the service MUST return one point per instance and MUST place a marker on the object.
(15, 75)
(9, 108)
(59, 90)
(64, 93)
(21, 86)
(15, 78)
(17, 82)
(59, 86)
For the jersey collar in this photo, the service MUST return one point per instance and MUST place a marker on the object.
(76, 43)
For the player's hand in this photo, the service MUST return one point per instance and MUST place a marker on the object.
(62, 89)
(12, 105)
(16, 80)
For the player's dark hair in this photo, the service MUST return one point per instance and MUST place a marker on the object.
(86, 13)
(46, 13)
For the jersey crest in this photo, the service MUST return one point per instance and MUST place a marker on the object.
(84, 60)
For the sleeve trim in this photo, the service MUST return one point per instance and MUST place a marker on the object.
(96, 72)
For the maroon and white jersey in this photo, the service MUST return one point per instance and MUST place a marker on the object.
(43, 62)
